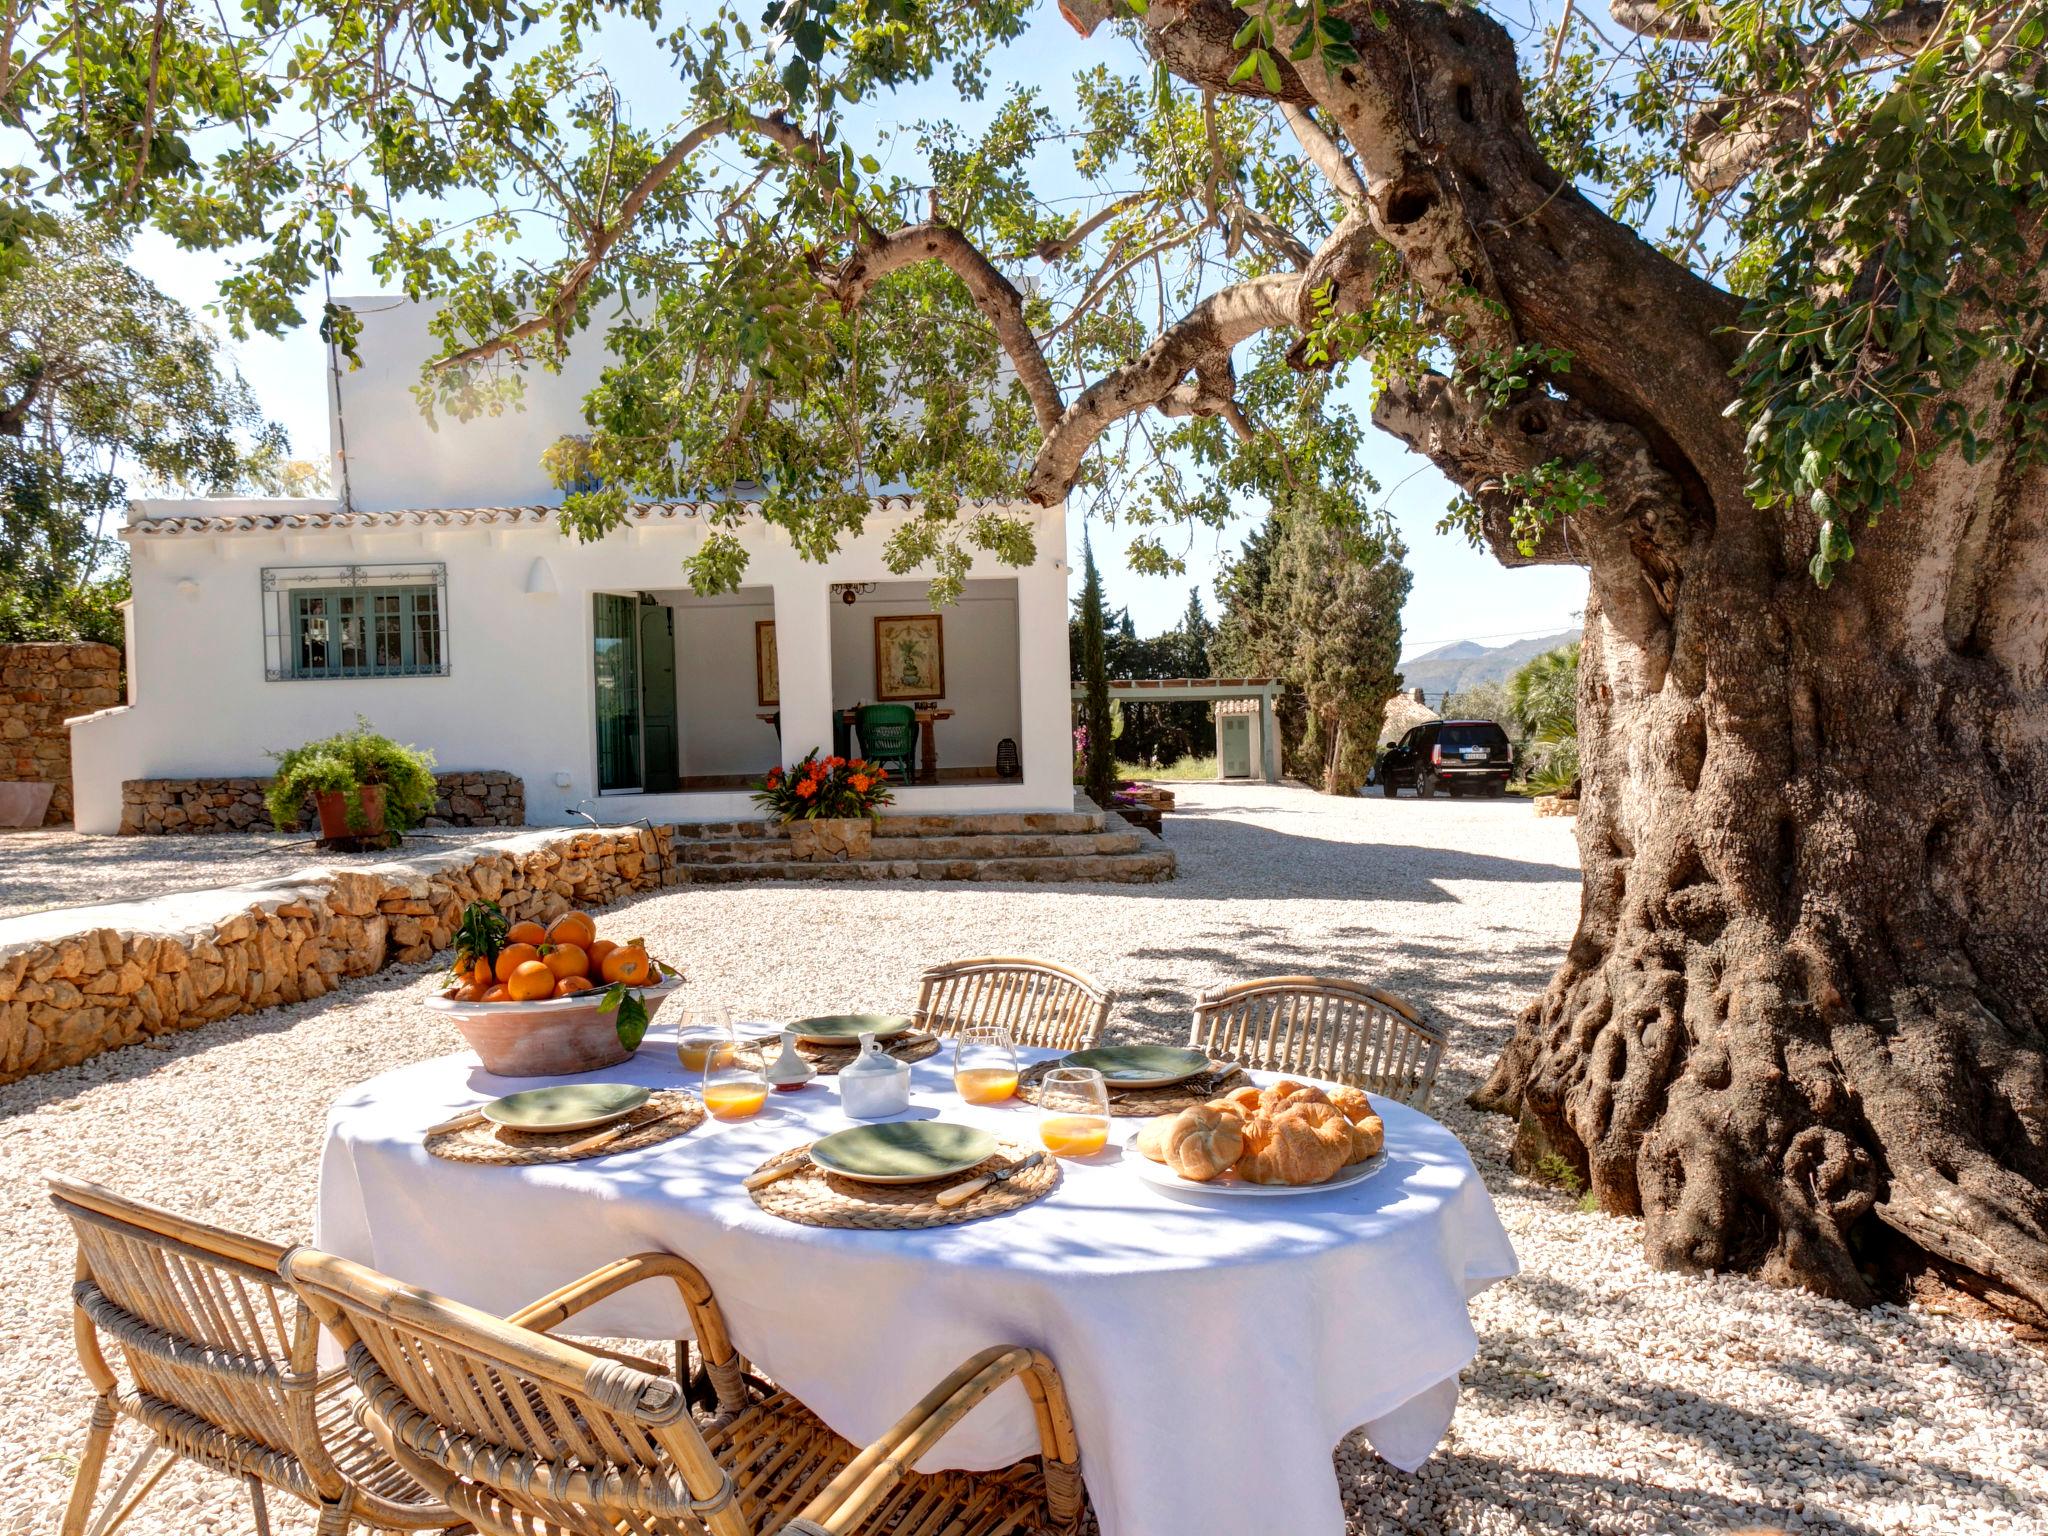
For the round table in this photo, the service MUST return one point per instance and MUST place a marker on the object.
(1214, 1349)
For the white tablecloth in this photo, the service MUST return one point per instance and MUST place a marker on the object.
(1215, 1350)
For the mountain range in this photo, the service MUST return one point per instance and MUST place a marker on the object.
(1466, 663)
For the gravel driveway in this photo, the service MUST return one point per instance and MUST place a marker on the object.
(1607, 1397)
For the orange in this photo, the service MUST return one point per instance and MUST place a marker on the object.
(566, 960)
(572, 984)
(513, 956)
(597, 949)
(629, 965)
(526, 933)
(573, 928)
(471, 992)
(496, 994)
(476, 973)
(530, 983)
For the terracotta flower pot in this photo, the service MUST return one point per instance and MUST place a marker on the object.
(333, 807)
(831, 839)
(557, 1038)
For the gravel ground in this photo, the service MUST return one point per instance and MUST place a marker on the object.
(1607, 1398)
(62, 868)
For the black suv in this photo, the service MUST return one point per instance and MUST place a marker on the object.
(1447, 754)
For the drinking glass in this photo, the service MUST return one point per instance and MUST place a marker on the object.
(1075, 1105)
(734, 1085)
(985, 1064)
(705, 1036)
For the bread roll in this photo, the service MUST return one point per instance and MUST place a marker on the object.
(1202, 1143)
(1297, 1143)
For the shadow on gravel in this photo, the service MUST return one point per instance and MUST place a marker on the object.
(1289, 865)
(1542, 1499)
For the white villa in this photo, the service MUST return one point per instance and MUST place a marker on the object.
(436, 597)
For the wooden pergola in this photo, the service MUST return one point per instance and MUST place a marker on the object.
(1200, 690)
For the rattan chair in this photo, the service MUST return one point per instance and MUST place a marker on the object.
(221, 1365)
(1322, 1027)
(529, 1436)
(1044, 1005)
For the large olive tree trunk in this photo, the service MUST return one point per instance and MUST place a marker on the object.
(1809, 982)
(1809, 986)
(1807, 1001)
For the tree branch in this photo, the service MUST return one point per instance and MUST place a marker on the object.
(1325, 154)
(554, 315)
(993, 293)
(1200, 342)
(1054, 249)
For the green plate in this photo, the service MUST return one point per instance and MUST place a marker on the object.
(902, 1151)
(571, 1107)
(845, 1028)
(1142, 1066)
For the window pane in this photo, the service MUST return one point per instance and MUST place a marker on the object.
(387, 632)
(618, 692)
(312, 635)
(426, 629)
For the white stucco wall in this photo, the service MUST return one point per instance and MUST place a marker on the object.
(518, 694)
(395, 457)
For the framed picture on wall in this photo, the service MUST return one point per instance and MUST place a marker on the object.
(767, 678)
(910, 657)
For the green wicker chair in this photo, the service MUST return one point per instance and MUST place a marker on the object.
(888, 735)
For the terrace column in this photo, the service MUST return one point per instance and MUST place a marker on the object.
(1269, 739)
(803, 644)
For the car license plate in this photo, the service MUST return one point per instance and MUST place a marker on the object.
(1478, 752)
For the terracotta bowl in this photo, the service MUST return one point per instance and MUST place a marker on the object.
(556, 1038)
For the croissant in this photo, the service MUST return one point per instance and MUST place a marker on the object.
(1355, 1103)
(1246, 1101)
(1287, 1091)
(1368, 1138)
(1299, 1143)
(1203, 1143)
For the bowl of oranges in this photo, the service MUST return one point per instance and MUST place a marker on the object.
(548, 1000)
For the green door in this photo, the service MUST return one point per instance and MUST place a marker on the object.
(658, 695)
(1237, 746)
(616, 645)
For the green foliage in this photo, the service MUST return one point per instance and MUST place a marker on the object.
(102, 378)
(1318, 606)
(1557, 1170)
(1098, 729)
(1543, 697)
(346, 762)
(1901, 267)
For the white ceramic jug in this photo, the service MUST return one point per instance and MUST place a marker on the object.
(874, 1084)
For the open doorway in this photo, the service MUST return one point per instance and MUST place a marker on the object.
(685, 695)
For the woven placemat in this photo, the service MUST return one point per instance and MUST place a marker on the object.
(828, 1059)
(648, 1126)
(815, 1198)
(1126, 1102)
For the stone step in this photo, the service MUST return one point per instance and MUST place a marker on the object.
(1002, 824)
(1121, 868)
(1013, 845)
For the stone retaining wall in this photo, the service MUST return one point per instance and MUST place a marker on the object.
(470, 797)
(82, 980)
(42, 686)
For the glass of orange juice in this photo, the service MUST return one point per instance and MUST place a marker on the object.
(706, 1036)
(985, 1064)
(1075, 1106)
(734, 1085)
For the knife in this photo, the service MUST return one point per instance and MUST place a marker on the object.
(769, 1176)
(612, 1133)
(948, 1198)
(461, 1122)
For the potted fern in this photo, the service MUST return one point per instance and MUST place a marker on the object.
(364, 787)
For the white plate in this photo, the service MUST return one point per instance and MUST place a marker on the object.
(1231, 1185)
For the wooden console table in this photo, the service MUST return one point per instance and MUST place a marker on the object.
(928, 716)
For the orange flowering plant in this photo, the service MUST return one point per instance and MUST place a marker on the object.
(818, 788)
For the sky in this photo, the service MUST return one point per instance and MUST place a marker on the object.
(1458, 592)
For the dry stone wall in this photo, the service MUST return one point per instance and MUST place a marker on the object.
(471, 797)
(83, 980)
(42, 686)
